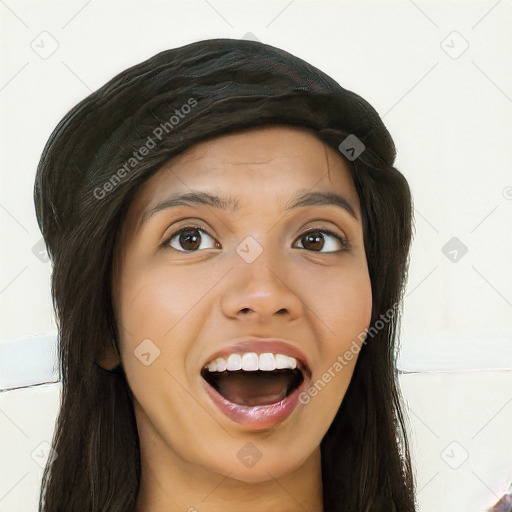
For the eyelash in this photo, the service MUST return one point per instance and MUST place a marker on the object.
(345, 246)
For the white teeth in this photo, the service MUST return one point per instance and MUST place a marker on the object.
(221, 364)
(234, 362)
(212, 367)
(267, 362)
(250, 361)
(283, 361)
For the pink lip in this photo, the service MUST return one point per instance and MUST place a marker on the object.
(262, 346)
(259, 416)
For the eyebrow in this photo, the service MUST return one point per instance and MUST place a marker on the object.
(300, 199)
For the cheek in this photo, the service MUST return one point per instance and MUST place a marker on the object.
(152, 302)
(355, 305)
(344, 304)
(158, 322)
(167, 307)
(149, 306)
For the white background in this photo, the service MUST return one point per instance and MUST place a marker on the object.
(448, 109)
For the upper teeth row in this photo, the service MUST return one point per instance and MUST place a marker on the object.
(250, 361)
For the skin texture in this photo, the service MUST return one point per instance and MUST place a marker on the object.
(190, 304)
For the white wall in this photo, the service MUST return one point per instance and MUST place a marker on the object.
(448, 109)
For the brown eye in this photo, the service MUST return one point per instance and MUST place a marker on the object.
(314, 240)
(189, 239)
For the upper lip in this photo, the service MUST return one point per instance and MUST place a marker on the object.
(262, 346)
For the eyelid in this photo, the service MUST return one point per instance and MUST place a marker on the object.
(188, 223)
(166, 242)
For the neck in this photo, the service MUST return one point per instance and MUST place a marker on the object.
(170, 484)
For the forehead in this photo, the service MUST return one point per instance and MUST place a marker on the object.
(260, 163)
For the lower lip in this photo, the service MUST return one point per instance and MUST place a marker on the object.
(258, 416)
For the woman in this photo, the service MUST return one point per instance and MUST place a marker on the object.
(230, 245)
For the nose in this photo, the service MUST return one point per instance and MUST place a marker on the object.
(262, 289)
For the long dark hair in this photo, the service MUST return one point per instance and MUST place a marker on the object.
(90, 169)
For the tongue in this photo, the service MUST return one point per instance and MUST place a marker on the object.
(253, 388)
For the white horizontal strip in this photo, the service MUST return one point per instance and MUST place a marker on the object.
(456, 351)
(33, 360)
(28, 361)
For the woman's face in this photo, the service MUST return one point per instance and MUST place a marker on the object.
(183, 296)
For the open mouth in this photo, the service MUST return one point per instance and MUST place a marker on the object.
(253, 388)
